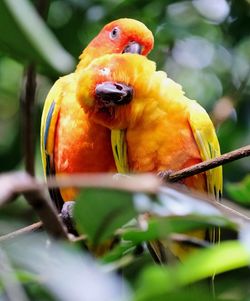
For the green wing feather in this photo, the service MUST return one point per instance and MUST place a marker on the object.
(207, 142)
(119, 148)
(48, 123)
(48, 127)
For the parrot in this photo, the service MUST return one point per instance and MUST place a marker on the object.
(70, 141)
(154, 126)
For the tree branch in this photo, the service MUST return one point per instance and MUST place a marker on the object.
(47, 213)
(29, 229)
(36, 198)
(13, 184)
(27, 100)
(206, 165)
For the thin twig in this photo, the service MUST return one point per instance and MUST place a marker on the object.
(135, 183)
(29, 229)
(14, 183)
(209, 164)
(22, 183)
(46, 211)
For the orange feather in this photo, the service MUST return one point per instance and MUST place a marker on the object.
(71, 142)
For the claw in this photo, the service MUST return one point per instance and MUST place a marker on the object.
(67, 216)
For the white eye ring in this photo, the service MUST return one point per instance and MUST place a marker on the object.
(105, 71)
(115, 33)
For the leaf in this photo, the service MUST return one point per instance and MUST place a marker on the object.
(118, 252)
(156, 281)
(170, 201)
(99, 212)
(240, 192)
(158, 228)
(25, 36)
(65, 272)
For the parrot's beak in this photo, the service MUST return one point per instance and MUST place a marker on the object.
(133, 47)
(112, 93)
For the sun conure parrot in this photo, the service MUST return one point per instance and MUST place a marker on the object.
(71, 142)
(154, 126)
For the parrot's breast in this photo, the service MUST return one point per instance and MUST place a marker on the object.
(164, 142)
(81, 146)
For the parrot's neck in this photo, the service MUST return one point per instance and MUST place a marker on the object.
(85, 59)
(143, 113)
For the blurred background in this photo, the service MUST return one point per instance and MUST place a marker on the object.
(202, 44)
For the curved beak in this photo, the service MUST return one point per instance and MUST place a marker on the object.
(133, 47)
(112, 93)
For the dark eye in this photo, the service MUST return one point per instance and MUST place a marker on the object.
(114, 34)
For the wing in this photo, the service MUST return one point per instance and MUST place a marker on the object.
(207, 142)
(119, 148)
(48, 127)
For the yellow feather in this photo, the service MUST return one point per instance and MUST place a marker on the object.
(119, 148)
(208, 145)
(55, 96)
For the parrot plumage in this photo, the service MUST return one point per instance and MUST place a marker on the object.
(165, 130)
(71, 142)
(159, 129)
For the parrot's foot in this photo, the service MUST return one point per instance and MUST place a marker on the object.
(67, 216)
(164, 175)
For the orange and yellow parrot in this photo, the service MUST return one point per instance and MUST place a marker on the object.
(154, 126)
(71, 142)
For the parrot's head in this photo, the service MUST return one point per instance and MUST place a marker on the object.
(120, 36)
(114, 89)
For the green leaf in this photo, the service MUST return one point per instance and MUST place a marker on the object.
(156, 281)
(158, 228)
(61, 271)
(99, 212)
(25, 36)
(240, 192)
(122, 249)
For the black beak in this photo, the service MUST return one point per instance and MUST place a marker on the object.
(133, 47)
(112, 93)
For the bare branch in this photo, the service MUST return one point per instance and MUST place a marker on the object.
(12, 184)
(29, 229)
(47, 213)
(15, 183)
(147, 183)
(209, 164)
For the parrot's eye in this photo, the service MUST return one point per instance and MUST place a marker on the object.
(114, 34)
(105, 71)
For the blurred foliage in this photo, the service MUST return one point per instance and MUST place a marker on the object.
(240, 192)
(36, 269)
(203, 45)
